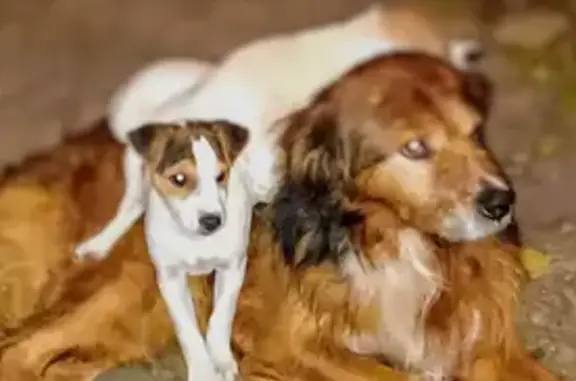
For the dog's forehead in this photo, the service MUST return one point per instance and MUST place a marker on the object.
(176, 147)
(204, 152)
(192, 142)
(411, 89)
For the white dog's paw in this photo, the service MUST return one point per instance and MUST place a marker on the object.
(227, 368)
(223, 358)
(93, 249)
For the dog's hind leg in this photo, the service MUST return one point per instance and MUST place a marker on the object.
(132, 105)
(129, 211)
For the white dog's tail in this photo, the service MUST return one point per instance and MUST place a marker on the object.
(136, 101)
(369, 22)
(465, 54)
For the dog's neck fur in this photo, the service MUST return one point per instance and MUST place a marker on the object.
(406, 294)
(401, 287)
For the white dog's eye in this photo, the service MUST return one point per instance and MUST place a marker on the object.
(416, 149)
(179, 179)
(221, 176)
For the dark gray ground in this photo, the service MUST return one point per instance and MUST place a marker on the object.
(60, 59)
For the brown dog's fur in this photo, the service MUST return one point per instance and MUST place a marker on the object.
(341, 217)
(300, 300)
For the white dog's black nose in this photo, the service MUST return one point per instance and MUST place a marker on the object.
(495, 203)
(210, 222)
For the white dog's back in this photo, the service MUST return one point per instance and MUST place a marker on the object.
(274, 75)
(136, 100)
(263, 81)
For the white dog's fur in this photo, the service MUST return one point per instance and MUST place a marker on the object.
(255, 86)
(177, 250)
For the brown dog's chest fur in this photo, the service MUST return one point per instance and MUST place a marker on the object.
(471, 316)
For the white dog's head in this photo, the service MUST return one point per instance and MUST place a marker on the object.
(188, 166)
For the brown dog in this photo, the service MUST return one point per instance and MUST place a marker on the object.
(363, 250)
(385, 220)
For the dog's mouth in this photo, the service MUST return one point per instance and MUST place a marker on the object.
(208, 232)
(465, 224)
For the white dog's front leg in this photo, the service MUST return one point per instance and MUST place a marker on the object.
(174, 289)
(226, 291)
(130, 209)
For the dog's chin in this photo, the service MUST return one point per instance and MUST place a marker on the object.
(471, 226)
(207, 233)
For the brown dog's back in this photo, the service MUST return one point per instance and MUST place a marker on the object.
(65, 319)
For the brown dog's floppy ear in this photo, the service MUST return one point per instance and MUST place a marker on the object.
(313, 146)
(322, 147)
(142, 137)
(233, 138)
(478, 91)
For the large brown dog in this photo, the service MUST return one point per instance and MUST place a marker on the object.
(385, 221)
(356, 254)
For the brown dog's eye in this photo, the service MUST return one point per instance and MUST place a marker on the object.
(221, 176)
(178, 180)
(416, 149)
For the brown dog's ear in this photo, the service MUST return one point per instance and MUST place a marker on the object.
(323, 147)
(478, 91)
(232, 138)
(314, 150)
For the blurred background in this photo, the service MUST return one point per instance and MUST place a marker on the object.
(61, 59)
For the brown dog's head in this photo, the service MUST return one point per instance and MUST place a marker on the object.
(404, 129)
(188, 165)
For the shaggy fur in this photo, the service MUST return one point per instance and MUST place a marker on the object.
(320, 285)
(370, 266)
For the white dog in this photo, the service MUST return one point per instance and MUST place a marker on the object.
(194, 223)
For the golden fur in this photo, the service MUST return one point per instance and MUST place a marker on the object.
(68, 321)
(344, 212)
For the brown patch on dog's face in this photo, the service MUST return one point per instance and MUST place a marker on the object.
(170, 160)
(188, 166)
(403, 129)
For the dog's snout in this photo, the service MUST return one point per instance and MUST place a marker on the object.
(210, 222)
(495, 203)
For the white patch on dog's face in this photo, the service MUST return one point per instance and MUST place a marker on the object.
(203, 210)
(466, 224)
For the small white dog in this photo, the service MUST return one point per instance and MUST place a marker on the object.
(194, 224)
(206, 176)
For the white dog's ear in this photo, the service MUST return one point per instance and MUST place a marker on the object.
(143, 137)
(232, 138)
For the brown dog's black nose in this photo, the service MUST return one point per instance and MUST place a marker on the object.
(495, 203)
